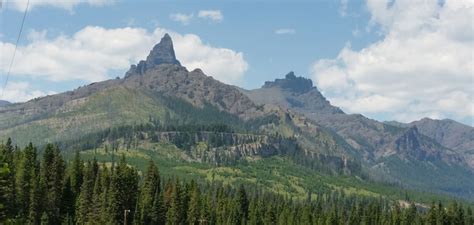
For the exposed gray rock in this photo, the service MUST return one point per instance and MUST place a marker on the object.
(449, 133)
(4, 103)
(293, 92)
(162, 53)
(291, 83)
(372, 139)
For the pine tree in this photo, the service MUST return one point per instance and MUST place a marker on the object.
(149, 191)
(123, 193)
(243, 203)
(105, 195)
(52, 175)
(4, 207)
(94, 215)
(174, 214)
(442, 218)
(7, 181)
(68, 202)
(194, 205)
(35, 211)
(432, 214)
(84, 201)
(25, 178)
(76, 174)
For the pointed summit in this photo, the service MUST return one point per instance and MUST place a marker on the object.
(162, 53)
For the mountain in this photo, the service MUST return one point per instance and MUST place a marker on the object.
(449, 133)
(293, 92)
(161, 108)
(4, 103)
(387, 149)
(161, 92)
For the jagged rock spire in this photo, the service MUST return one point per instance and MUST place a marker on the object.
(162, 53)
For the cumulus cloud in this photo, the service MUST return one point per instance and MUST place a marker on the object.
(93, 53)
(68, 5)
(422, 66)
(21, 92)
(343, 8)
(184, 19)
(285, 31)
(214, 15)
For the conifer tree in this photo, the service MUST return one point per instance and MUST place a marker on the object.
(84, 200)
(123, 192)
(7, 180)
(4, 198)
(243, 203)
(149, 191)
(175, 211)
(432, 214)
(25, 178)
(194, 205)
(52, 178)
(35, 212)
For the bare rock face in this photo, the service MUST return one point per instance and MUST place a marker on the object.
(297, 93)
(4, 103)
(448, 132)
(292, 83)
(162, 53)
(161, 72)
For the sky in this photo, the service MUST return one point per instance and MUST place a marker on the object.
(387, 59)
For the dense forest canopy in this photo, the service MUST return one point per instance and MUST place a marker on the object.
(45, 189)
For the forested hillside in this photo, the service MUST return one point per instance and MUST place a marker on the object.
(227, 156)
(46, 189)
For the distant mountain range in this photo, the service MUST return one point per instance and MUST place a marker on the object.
(288, 116)
(4, 103)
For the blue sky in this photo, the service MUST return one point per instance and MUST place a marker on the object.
(342, 45)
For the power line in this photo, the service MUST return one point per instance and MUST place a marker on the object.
(16, 46)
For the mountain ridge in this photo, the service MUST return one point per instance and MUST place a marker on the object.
(159, 91)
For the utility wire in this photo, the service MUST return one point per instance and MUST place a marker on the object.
(16, 46)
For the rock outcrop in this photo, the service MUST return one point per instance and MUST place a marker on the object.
(162, 53)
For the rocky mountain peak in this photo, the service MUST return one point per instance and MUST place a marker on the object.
(291, 82)
(162, 53)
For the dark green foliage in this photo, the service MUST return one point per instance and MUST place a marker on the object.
(117, 194)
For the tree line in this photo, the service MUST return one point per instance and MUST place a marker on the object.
(43, 188)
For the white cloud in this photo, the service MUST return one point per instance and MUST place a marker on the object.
(285, 31)
(422, 66)
(343, 8)
(64, 4)
(184, 19)
(214, 15)
(21, 92)
(92, 53)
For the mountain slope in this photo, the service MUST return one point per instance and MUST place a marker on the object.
(449, 133)
(379, 144)
(160, 91)
(158, 100)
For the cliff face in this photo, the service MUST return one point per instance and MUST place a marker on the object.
(160, 89)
